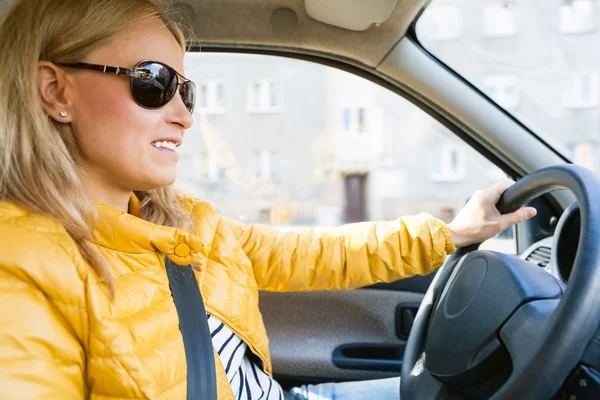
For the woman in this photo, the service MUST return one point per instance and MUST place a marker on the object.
(88, 213)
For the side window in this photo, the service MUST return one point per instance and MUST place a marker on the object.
(499, 20)
(503, 90)
(296, 144)
(577, 16)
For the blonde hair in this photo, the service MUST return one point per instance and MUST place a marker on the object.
(38, 156)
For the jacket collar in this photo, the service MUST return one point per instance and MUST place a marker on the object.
(126, 232)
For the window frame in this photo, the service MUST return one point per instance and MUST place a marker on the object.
(262, 163)
(572, 95)
(446, 173)
(499, 30)
(574, 25)
(211, 106)
(350, 119)
(264, 104)
(207, 162)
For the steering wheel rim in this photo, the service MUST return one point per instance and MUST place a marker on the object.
(572, 324)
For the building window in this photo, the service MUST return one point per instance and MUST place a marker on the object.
(354, 120)
(202, 96)
(262, 164)
(499, 20)
(220, 96)
(201, 164)
(582, 153)
(211, 97)
(255, 96)
(264, 96)
(577, 16)
(446, 22)
(207, 167)
(447, 164)
(361, 123)
(346, 120)
(273, 94)
(503, 90)
(581, 90)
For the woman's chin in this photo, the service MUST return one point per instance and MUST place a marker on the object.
(158, 180)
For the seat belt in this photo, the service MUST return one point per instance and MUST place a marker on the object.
(197, 342)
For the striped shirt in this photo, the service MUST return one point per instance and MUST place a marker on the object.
(247, 380)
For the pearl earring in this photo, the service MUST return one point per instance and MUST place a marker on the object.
(63, 114)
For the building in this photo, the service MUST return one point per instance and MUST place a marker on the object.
(290, 142)
(538, 59)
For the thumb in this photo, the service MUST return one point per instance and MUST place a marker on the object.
(520, 215)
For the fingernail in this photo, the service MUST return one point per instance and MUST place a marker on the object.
(530, 212)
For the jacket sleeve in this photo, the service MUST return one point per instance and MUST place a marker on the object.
(40, 357)
(347, 257)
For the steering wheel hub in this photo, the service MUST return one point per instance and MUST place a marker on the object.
(465, 287)
(484, 290)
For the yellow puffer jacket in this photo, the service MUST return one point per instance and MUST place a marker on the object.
(62, 338)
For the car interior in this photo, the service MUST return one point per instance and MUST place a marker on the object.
(432, 329)
(487, 324)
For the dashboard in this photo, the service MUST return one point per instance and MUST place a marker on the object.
(556, 254)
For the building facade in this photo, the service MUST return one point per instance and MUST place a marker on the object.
(289, 142)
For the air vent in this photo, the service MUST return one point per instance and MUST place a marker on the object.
(540, 256)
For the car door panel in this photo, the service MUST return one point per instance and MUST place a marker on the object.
(306, 328)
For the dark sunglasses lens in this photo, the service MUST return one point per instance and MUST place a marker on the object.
(188, 95)
(153, 85)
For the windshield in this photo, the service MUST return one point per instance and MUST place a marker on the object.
(537, 59)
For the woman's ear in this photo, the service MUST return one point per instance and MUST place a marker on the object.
(52, 88)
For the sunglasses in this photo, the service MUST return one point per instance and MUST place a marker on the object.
(153, 84)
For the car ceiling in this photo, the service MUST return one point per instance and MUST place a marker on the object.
(285, 25)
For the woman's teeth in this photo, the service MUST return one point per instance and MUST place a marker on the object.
(166, 145)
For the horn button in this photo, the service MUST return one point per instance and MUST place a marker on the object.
(485, 289)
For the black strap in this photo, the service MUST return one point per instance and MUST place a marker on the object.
(201, 375)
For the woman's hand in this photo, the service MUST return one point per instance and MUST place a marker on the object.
(479, 220)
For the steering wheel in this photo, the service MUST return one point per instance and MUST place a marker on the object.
(495, 326)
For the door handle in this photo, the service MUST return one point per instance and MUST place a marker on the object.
(369, 356)
(405, 318)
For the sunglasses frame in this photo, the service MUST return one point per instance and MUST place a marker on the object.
(131, 73)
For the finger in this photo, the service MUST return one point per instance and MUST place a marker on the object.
(498, 189)
(520, 215)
